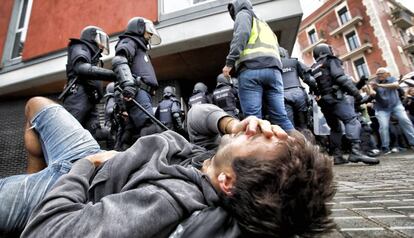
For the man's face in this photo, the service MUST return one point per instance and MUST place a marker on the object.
(147, 36)
(382, 76)
(238, 146)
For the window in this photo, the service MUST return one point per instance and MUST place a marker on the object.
(17, 31)
(361, 67)
(312, 36)
(352, 40)
(344, 16)
(169, 6)
(411, 57)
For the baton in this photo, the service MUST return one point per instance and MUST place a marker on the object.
(67, 88)
(146, 112)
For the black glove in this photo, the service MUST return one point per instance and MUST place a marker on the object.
(129, 90)
(362, 82)
(363, 100)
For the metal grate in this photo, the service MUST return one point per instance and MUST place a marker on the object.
(12, 152)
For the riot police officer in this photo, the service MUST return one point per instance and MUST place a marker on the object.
(135, 74)
(296, 99)
(84, 70)
(336, 105)
(225, 96)
(200, 95)
(169, 110)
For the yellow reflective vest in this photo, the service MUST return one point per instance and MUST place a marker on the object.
(262, 43)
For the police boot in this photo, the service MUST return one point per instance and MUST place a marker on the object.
(357, 156)
(338, 158)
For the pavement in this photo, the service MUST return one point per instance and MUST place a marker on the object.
(375, 201)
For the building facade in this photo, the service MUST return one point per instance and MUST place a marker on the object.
(195, 37)
(365, 34)
(34, 35)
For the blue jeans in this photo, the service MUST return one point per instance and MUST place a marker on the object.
(383, 117)
(256, 85)
(63, 141)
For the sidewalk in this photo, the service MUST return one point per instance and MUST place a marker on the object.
(375, 201)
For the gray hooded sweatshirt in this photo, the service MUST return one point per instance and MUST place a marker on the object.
(142, 192)
(242, 13)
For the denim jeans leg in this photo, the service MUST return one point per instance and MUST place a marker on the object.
(63, 141)
(383, 118)
(275, 98)
(20, 194)
(62, 136)
(405, 123)
(250, 93)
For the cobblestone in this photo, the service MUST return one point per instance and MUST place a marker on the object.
(375, 201)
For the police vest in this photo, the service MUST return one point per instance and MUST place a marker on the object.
(140, 64)
(80, 50)
(165, 115)
(322, 75)
(262, 42)
(290, 74)
(224, 98)
(199, 98)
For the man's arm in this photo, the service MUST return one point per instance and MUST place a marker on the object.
(64, 212)
(202, 125)
(241, 34)
(206, 122)
(393, 85)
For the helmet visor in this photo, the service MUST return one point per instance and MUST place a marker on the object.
(150, 28)
(102, 40)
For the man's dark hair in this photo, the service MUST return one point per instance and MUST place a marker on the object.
(284, 196)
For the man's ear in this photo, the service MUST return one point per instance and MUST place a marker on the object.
(225, 182)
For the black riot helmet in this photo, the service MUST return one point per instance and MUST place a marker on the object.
(284, 53)
(222, 80)
(322, 50)
(96, 35)
(200, 88)
(169, 91)
(140, 25)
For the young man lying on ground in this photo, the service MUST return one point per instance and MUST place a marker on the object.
(270, 183)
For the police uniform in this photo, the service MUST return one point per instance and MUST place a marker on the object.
(135, 75)
(199, 95)
(296, 99)
(166, 111)
(198, 98)
(84, 72)
(336, 105)
(225, 96)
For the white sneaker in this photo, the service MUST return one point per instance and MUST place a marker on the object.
(395, 150)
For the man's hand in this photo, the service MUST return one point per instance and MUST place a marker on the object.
(226, 71)
(129, 92)
(102, 157)
(253, 125)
